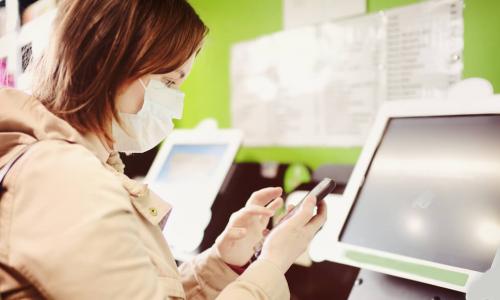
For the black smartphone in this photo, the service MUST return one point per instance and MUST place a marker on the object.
(325, 187)
(320, 191)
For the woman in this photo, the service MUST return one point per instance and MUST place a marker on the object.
(72, 225)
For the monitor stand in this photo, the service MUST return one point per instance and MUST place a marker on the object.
(377, 286)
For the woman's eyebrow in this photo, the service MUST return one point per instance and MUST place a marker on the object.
(169, 77)
(166, 77)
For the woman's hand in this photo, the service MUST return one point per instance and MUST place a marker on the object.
(247, 227)
(290, 239)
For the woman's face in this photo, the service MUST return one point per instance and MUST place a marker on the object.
(131, 97)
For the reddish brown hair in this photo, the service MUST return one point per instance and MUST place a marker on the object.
(100, 45)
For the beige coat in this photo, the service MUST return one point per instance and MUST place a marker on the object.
(77, 228)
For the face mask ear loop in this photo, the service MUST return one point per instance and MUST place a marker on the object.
(142, 83)
(144, 87)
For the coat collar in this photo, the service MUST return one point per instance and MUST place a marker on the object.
(145, 201)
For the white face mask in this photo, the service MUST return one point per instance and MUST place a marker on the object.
(153, 123)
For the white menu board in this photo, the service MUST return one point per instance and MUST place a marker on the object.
(321, 85)
(298, 13)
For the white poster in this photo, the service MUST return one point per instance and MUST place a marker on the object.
(423, 49)
(321, 85)
(298, 13)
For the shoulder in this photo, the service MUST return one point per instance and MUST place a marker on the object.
(63, 173)
(57, 158)
(9, 94)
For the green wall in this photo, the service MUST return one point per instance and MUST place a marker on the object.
(232, 21)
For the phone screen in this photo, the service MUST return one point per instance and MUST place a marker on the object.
(325, 187)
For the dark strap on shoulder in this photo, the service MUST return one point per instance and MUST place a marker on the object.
(25, 288)
(8, 166)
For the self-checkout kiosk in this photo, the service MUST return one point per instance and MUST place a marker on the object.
(421, 212)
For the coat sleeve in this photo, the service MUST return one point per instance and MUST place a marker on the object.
(207, 277)
(262, 280)
(73, 232)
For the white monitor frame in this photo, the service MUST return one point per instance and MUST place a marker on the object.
(230, 137)
(446, 276)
